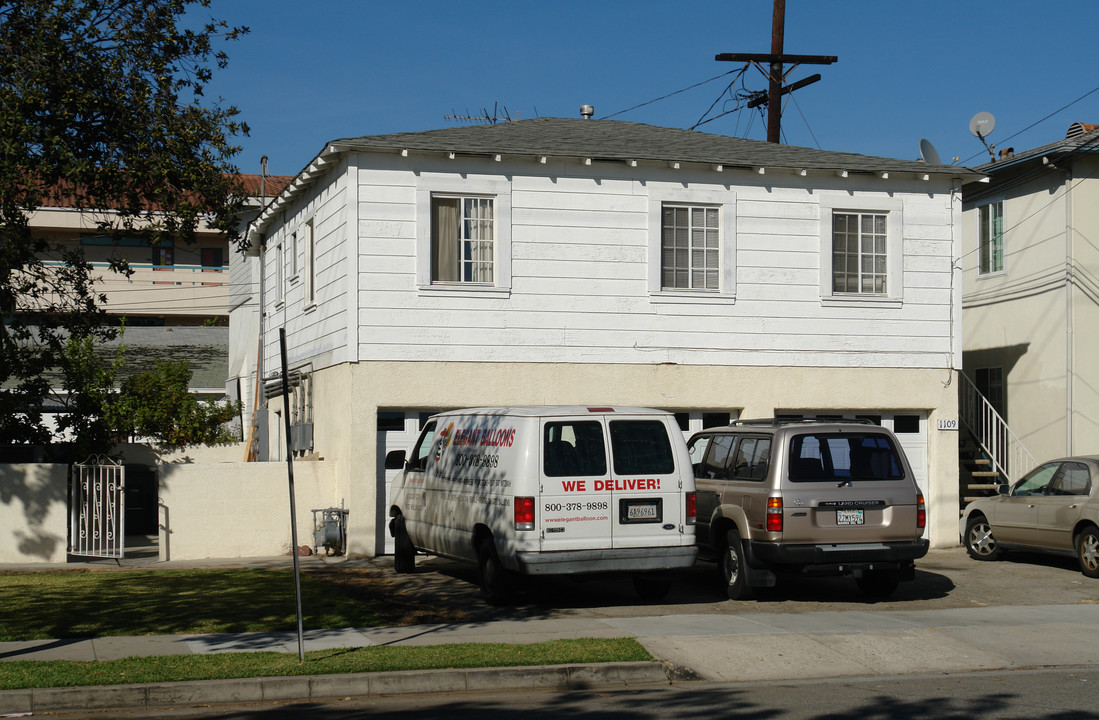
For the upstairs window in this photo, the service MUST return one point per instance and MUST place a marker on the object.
(991, 239)
(689, 248)
(463, 231)
(860, 258)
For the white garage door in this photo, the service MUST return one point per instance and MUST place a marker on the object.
(397, 430)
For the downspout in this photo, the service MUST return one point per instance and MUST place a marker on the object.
(1069, 344)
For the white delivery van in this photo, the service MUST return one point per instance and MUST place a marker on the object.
(547, 491)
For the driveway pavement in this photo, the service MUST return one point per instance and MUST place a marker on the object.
(958, 615)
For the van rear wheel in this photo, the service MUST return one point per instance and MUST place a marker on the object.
(496, 584)
(734, 569)
(404, 552)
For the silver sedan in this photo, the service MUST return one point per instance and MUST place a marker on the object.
(1054, 508)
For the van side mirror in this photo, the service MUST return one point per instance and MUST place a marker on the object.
(1003, 489)
(394, 460)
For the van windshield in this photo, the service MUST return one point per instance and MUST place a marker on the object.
(641, 447)
(844, 456)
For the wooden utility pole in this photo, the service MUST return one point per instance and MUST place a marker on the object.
(776, 73)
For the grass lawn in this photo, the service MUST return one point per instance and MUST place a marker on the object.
(85, 603)
(72, 604)
(16, 675)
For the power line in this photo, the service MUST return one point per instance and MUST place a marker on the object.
(665, 97)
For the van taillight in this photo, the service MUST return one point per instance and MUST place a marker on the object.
(921, 512)
(692, 508)
(774, 514)
(524, 513)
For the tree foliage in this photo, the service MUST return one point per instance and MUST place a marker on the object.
(102, 109)
(158, 405)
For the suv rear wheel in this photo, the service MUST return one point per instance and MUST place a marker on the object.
(734, 569)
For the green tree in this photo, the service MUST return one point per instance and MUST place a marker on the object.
(89, 394)
(157, 404)
(101, 104)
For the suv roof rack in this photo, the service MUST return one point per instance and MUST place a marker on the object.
(777, 422)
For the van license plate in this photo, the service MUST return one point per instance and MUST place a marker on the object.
(640, 511)
(849, 517)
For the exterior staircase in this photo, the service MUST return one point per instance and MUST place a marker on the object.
(990, 453)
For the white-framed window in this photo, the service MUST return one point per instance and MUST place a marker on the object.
(280, 274)
(990, 237)
(860, 252)
(692, 244)
(293, 250)
(861, 249)
(689, 247)
(309, 261)
(463, 235)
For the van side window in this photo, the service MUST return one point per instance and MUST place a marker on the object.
(422, 451)
(753, 457)
(574, 449)
(641, 447)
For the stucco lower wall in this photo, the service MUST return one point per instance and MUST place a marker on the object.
(231, 510)
(33, 513)
(347, 398)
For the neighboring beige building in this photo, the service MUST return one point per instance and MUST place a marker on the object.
(554, 261)
(1031, 300)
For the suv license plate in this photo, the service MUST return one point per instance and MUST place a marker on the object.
(849, 517)
(640, 511)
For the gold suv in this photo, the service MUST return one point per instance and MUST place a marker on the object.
(802, 497)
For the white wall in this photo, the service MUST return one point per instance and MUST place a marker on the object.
(33, 513)
(242, 509)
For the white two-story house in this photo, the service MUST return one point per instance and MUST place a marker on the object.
(573, 261)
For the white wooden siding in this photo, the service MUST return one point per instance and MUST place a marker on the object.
(580, 264)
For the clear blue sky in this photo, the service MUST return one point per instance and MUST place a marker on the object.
(310, 72)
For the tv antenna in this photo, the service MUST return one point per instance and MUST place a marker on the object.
(499, 114)
(981, 126)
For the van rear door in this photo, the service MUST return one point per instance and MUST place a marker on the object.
(576, 501)
(647, 506)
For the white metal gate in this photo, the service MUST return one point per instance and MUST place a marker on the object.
(98, 506)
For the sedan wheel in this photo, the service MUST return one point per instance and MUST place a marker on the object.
(1087, 552)
(979, 542)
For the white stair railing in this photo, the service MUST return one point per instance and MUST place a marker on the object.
(1008, 454)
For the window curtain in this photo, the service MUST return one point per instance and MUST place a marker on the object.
(444, 241)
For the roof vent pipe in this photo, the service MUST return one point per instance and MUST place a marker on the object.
(587, 111)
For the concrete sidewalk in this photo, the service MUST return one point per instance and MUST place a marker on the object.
(723, 648)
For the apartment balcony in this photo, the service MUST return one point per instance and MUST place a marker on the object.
(165, 289)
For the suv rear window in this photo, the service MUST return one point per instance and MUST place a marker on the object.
(641, 447)
(846, 456)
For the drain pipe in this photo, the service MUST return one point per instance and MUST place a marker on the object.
(1069, 340)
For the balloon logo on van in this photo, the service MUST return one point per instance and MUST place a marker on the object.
(444, 441)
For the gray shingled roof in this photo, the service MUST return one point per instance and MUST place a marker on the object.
(617, 140)
(607, 140)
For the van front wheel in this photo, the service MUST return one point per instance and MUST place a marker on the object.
(495, 583)
(404, 553)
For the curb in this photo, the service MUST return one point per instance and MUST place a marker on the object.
(149, 696)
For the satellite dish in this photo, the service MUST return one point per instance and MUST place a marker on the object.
(982, 124)
(928, 153)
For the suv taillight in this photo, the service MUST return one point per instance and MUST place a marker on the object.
(921, 512)
(692, 508)
(524, 513)
(774, 514)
